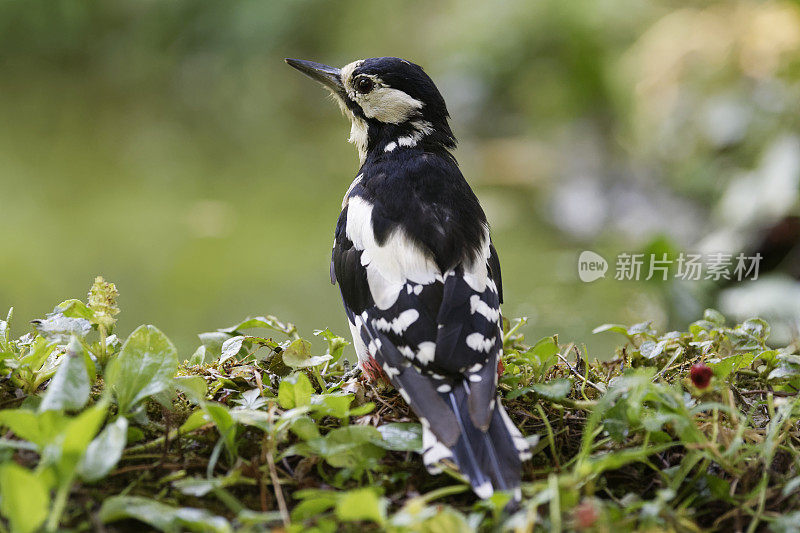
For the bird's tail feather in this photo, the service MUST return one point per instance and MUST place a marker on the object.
(491, 460)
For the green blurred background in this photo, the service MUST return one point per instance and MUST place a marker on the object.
(166, 146)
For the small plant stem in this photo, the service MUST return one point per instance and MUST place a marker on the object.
(550, 437)
(762, 497)
(103, 355)
(268, 452)
(555, 506)
(440, 493)
(58, 507)
(579, 375)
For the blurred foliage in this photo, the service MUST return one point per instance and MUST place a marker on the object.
(166, 145)
(683, 431)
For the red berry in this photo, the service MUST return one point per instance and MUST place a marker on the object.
(586, 515)
(701, 375)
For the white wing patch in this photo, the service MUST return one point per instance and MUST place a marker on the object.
(350, 189)
(476, 275)
(476, 305)
(426, 351)
(392, 265)
(398, 324)
(358, 342)
(433, 451)
(479, 343)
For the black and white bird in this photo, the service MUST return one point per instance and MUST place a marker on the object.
(419, 276)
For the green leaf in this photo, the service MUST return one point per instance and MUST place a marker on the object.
(652, 349)
(724, 367)
(145, 366)
(231, 348)
(69, 389)
(198, 487)
(56, 326)
(38, 353)
(545, 348)
(161, 516)
(75, 439)
(195, 421)
(305, 428)
(351, 447)
(148, 511)
(714, 316)
(640, 329)
(38, 428)
(298, 355)
(784, 371)
(269, 322)
(258, 419)
(336, 344)
(194, 387)
(616, 328)
(314, 503)
(251, 399)
(553, 390)
(361, 410)
(211, 346)
(105, 451)
(76, 309)
(335, 404)
(361, 504)
(226, 425)
(25, 499)
(756, 327)
(295, 391)
(401, 436)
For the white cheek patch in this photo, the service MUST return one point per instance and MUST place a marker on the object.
(392, 106)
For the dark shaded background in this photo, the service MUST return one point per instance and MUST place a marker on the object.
(166, 146)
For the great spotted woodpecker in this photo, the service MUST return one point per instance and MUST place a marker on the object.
(419, 276)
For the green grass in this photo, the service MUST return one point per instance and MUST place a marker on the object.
(263, 428)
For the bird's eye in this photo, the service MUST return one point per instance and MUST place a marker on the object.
(364, 85)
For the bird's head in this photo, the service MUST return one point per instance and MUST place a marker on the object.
(392, 104)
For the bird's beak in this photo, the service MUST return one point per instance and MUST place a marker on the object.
(330, 77)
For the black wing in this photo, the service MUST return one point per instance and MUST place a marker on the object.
(438, 342)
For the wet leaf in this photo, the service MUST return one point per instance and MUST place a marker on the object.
(105, 451)
(144, 367)
(336, 344)
(194, 387)
(361, 504)
(298, 355)
(553, 390)
(231, 348)
(161, 516)
(401, 436)
(295, 391)
(69, 389)
(25, 499)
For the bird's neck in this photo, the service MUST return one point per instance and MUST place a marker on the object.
(374, 139)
